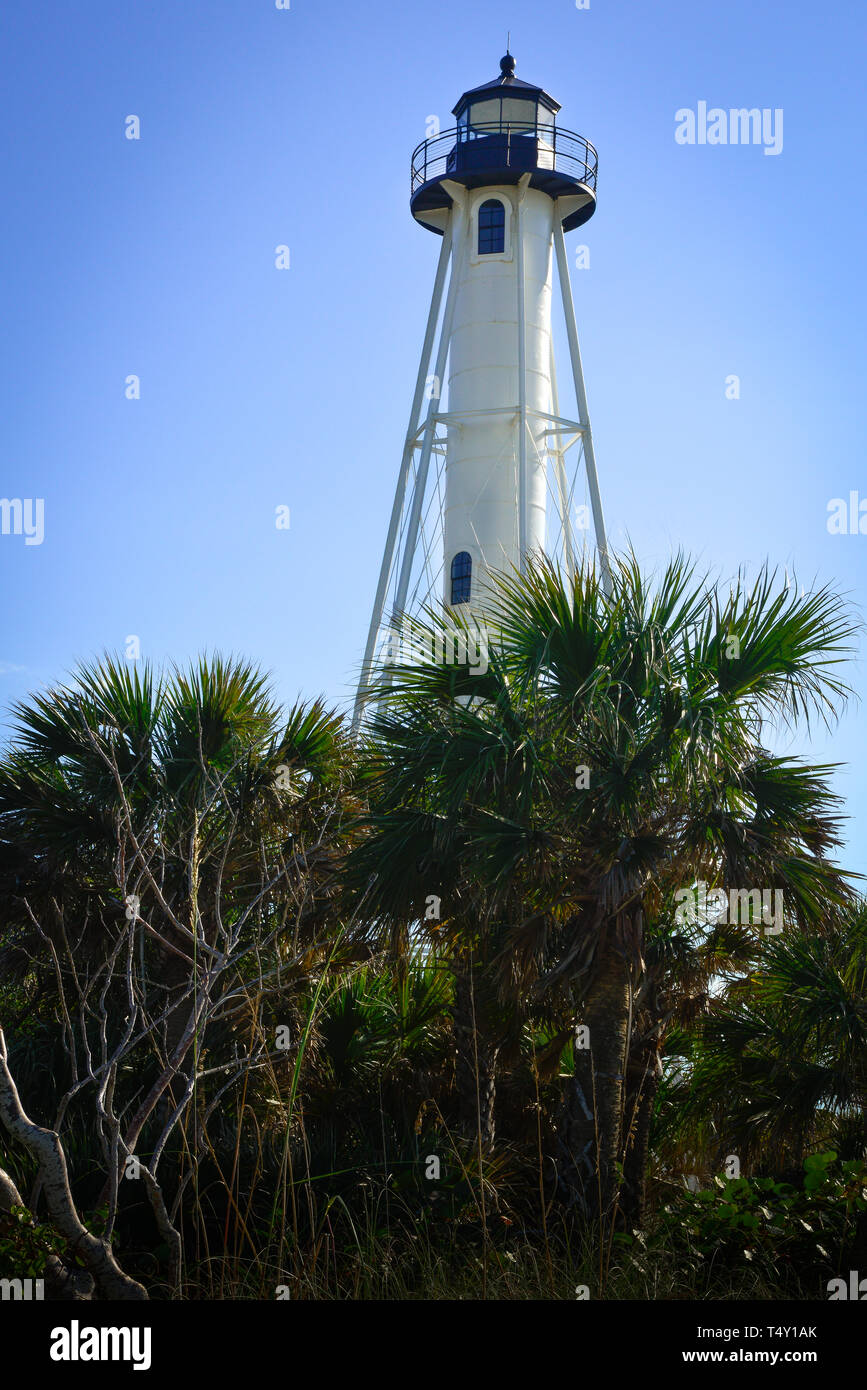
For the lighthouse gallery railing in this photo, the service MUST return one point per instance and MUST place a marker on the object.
(516, 145)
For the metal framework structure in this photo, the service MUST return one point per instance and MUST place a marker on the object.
(410, 577)
(555, 450)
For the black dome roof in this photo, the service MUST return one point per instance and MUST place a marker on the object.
(508, 82)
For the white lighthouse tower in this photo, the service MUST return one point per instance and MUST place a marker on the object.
(491, 471)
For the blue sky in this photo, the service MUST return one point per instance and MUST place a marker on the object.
(260, 387)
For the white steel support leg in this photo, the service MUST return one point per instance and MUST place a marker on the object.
(406, 461)
(522, 383)
(581, 397)
(457, 222)
(562, 490)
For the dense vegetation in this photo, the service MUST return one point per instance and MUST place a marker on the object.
(547, 984)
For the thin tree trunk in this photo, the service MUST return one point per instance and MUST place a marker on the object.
(589, 1129)
(45, 1146)
(642, 1086)
(475, 1060)
(65, 1284)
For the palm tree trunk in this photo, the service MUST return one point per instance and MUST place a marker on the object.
(590, 1119)
(475, 1060)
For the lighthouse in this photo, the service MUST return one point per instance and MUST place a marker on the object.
(491, 469)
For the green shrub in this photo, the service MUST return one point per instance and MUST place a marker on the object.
(794, 1236)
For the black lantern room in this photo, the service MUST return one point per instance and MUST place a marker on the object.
(505, 128)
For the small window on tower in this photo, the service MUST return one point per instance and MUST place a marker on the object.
(462, 569)
(492, 228)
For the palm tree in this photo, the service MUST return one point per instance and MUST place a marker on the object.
(776, 807)
(612, 755)
(119, 750)
(449, 764)
(190, 807)
(780, 1061)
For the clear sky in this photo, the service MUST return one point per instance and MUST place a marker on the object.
(263, 387)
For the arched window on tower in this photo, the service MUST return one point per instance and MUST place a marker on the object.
(462, 570)
(492, 228)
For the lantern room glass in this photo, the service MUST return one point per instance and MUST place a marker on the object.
(500, 114)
